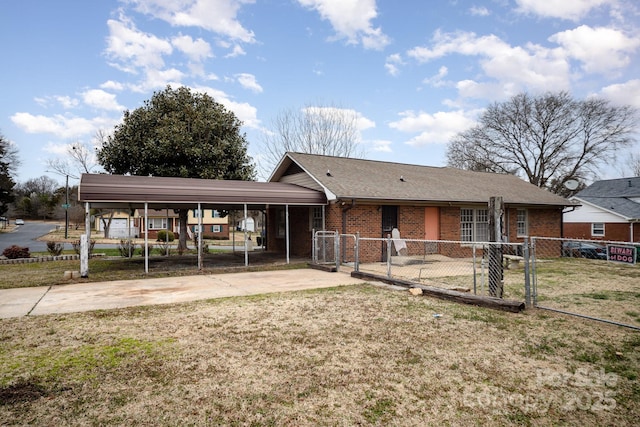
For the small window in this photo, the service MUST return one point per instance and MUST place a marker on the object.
(597, 229)
(157, 223)
(216, 228)
(522, 225)
(316, 218)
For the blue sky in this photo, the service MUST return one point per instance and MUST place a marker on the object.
(416, 72)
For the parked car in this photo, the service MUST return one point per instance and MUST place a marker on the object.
(584, 250)
(19, 222)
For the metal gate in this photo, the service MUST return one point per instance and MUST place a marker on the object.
(326, 247)
(333, 248)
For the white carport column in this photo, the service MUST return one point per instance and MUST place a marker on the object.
(286, 219)
(146, 237)
(84, 242)
(246, 243)
(200, 232)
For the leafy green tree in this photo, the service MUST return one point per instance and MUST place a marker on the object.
(8, 163)
(38, 197)
(546, 139)
(178, 133)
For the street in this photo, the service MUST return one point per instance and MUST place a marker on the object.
(26, 235)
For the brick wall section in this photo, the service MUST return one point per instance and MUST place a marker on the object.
(613, 231)
(367, 221)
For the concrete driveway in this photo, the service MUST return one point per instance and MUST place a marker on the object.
(126, 293)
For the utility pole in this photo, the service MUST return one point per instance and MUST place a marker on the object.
(66, 209)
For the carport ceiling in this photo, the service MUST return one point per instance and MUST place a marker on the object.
(118, 191)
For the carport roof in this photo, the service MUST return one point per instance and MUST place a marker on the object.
(116, 191)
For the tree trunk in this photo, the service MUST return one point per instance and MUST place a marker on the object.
(183, 215)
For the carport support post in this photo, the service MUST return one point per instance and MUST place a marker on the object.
(84, 242)
(286, 218)
(246, 243)
(200, 233)
(146, 237)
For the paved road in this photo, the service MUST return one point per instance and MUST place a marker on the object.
(26, 235)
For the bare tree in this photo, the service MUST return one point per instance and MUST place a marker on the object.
(547, 139)
(633, 165)
(313, 129)
(80, 158)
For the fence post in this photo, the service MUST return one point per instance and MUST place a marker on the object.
(356, 261)
(527, 278)
(336, 249)
(534, 276)
(389, 256)
(314, 258)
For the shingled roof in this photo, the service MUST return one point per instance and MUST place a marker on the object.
(359, 179)
(619, 196)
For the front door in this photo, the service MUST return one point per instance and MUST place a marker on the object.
(389, 222)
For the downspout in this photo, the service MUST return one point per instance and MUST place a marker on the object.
(344, 224)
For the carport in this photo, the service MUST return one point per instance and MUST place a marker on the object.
(101, 191)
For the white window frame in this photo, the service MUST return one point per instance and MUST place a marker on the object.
(522, 223)
(595, 229)
(152, 223)
(474, 224)
(216, 228)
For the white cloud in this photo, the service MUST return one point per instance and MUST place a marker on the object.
(392, 64)
(219, 16)
(61, 125)
(67, 102)
(381, 145)
(601, 50)
(98, 98)
(248, 81)
(530, 67)
(479, 11)
(627, 93)
(236, 51)
(351, 20)
(436, 80)
(111, 85)
(436, 128)
(197, 50)
(131, 49)
(158, 79)
(565, 9)
(246, 112)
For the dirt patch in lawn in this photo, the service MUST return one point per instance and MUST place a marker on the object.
(345, 356)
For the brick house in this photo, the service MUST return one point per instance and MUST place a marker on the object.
(434, 203)
(213, 225)
(609, 210)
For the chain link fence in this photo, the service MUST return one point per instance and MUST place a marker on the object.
(588, 278)
(481, 268)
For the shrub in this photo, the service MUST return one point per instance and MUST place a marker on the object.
(76, 246)
(126, 248)
(54, 248)
(163, 249)
(15, 252)
(166, 235)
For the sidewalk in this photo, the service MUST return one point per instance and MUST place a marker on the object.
(127, 293)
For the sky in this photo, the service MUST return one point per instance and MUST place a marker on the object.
(415, 72)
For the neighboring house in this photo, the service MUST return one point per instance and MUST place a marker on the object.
(435, 203)
(213, 226)
(119, 222)
(610, 210)
(157, 219)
